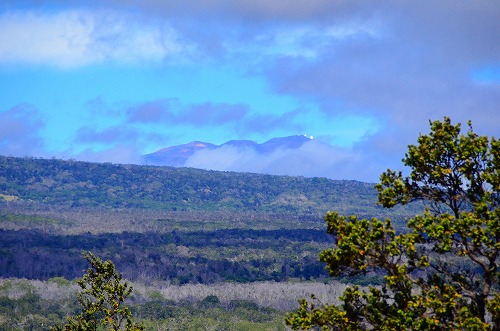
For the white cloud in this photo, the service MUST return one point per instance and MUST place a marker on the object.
(312, 159)
(78, 37)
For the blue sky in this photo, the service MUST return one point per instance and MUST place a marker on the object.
(113, 80)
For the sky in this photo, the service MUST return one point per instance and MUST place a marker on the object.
(110, 81)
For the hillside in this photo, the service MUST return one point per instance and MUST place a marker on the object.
(81, 184)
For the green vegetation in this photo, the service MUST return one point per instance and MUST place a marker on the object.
(178, 256)
(235, 315)
(82, 184)
(149, 220)
(102, 298)
(205, 250)
(443, 273)
(36, 306)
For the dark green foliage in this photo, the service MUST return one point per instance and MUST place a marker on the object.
(450, 171)
(443, 273)
(102, 297)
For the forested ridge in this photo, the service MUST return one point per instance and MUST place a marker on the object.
(83, 184)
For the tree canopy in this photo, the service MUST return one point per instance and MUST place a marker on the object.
(442, 272)
(102, 299)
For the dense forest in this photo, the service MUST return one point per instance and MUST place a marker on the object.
(182, 257)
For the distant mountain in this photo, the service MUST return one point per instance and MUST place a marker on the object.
(177, 156)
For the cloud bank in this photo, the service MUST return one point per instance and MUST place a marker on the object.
(312, 159)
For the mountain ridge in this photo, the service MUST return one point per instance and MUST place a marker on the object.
(177, 155)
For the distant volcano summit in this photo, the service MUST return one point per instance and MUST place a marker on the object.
(177, 156)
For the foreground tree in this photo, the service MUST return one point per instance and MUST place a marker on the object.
(102, 296)
(440, 274)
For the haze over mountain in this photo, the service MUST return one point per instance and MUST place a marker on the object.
(297, 155)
